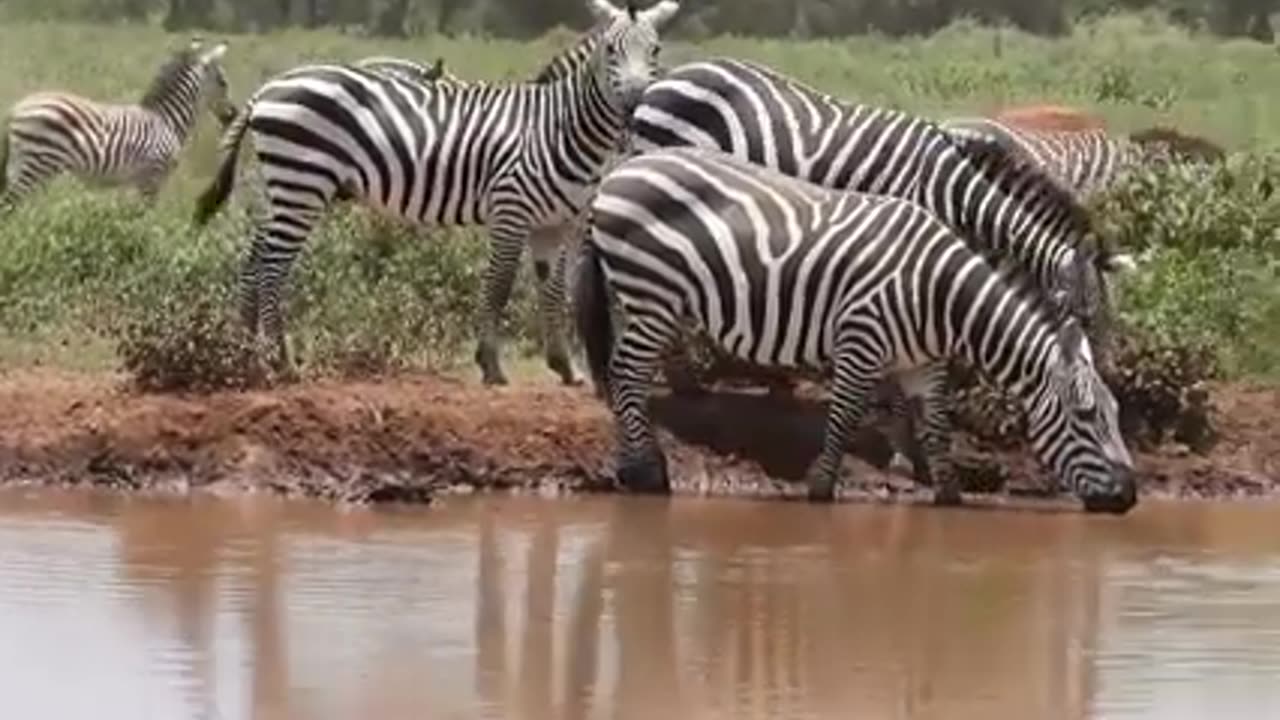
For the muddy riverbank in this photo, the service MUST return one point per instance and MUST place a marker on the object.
(411, 438)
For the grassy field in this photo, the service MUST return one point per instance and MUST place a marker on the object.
(83, 273)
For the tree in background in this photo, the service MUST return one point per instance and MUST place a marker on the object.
(528, 18)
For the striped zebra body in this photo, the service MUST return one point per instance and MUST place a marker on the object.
(408, 69)
(49, 133)
(1003, 206)
(786, 273)
(520, 159)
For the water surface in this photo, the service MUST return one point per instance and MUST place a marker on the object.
(114, 607)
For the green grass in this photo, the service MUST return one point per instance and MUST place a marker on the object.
(77, 268)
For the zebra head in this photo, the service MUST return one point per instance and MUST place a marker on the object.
(626, 59)
(1082, 444)
(214, 90)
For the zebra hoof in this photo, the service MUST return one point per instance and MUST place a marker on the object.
(490, 371)
(646, 475)
(822, 492)
(562, 366)
(947, 495)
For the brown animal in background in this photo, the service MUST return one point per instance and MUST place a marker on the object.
(1181, 145)
(1058, 118)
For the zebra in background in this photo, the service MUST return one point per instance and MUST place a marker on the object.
(783, 272)
(518, 158)
(50, 133)
(1002, 206)
(408, 69)
(1087, 162)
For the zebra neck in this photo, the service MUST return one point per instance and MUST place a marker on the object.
(1010, 225)
(176, 111)
(1005, 337)
(585, 123)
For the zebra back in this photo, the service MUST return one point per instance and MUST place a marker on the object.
(408, 69)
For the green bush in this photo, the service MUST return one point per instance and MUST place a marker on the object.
(1208, 244)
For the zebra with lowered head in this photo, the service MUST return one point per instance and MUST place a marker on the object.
(50, 133)
(999, 204)
(786, 273)
(516, 157)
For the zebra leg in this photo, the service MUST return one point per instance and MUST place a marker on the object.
(276, 245)
(506, 246)
(852, 386)
(26, 174)
(550, 255)
(929, 442)
(636, 356)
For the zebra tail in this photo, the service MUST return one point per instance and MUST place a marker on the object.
(215, 196)
(594, 320)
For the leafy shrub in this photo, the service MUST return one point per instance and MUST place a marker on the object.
(185, 345)
(1207, 242)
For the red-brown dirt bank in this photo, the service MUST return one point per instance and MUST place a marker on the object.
(409, 438)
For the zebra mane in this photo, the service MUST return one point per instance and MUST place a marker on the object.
(168, 76)
(1015, 174)
(567, 61)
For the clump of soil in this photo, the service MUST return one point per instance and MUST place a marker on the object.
(411, 438)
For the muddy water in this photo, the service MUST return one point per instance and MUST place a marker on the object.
(608, 608)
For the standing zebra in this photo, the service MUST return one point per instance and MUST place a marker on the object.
(787, 273)
(518, 158)
(1086, 162)
(50, 133)
(408, 69)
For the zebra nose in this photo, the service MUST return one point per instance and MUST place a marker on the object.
(1119, 498)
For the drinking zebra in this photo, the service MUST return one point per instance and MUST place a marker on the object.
(518, 158)
(50, 133)
(782, 272)
(979, 188)
(1087, 162)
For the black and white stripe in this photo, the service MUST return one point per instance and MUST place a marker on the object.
(518, 158)
(50, 133)
(408, 69)
(785, 273)
(1006, 208)
(764, 117)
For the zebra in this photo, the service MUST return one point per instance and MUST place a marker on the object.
(408, 69)
(784, 272)
(981, 189)
(1085, 162)
(50, 133)
(518, 158)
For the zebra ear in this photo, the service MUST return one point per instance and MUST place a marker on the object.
(661, 14)
(1118, 262)
(603, 10)
(214, 53)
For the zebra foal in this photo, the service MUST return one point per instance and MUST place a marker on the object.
(785, 273)
(521, 159)
(51, 133)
